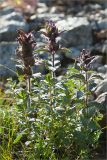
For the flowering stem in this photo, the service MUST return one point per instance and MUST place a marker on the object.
(53, 76)
(86, 98)
(29, 90)
(53, 65)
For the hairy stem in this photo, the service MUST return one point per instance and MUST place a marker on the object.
(53, 65)
(86, 90)
(53, 76)
(28, 90)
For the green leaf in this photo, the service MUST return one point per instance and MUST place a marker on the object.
(56, 62)
(78, 76)
(53, 69)
(37, 75)
(41, 50)
(22, 93)
(64, 50)
(19, 69)
(1, 130)
(60, 109)
(73, 70)
(99, 106)
(96, 77)
(19, 136)
(90, 111)
(49, 79)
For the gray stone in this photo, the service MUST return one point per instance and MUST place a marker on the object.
(81, 13)
(47, 2)
(6, 11)
(103, 13)
(54, 9)
(92, 7)
(42, 8)
(101, 87)
(8, 60)
(51, 16)
(102, 23)
(13, 16)
(100, 47)
(8, 30)
(73, 54)
(7, 51)
(102, 69)
(9, 23)
(96, 62)
(102, 99)
(77, 34)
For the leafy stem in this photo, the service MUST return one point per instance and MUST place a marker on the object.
(53, 65)
(53, 76)
(86, 88)
(28, 90)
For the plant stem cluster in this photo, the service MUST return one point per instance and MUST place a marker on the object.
(50, 120)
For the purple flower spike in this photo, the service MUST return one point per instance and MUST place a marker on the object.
(85, 59)
(51, 34)
(25, 50)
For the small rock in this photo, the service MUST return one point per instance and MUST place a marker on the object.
(8, 30)
(101, 87)
(96, 62)
(8, 60)
(103, 13)
(9, 23)
(13, 16)
(7, 51)
(42, 8)
(102, 69)
(6, 11)
(47, 2)
(50, 16)
(54, 9)
(73, 54)
(100, 47)
(78, 32)
(102, 99)
(92, 7)
(102, 23)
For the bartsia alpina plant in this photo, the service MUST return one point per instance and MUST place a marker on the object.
(53, 46)
(25, 55)
(49, 117)
(51, 34)
(85, 59)
(25, 51)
